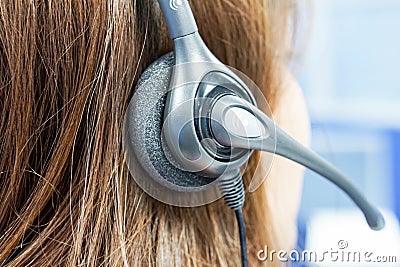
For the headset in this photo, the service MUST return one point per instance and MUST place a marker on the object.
(193, 123)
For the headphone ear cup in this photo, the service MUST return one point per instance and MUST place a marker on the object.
(145, 152)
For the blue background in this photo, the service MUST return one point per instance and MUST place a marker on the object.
(347, 59)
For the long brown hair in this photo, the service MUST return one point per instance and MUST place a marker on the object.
(67, 72)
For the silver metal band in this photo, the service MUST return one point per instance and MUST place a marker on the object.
(179, 17)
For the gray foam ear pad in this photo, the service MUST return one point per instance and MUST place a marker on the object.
(143, 124)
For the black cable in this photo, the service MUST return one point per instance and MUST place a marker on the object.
(242, 234)
(232, 189)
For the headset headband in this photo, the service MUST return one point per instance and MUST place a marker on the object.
(179, 17)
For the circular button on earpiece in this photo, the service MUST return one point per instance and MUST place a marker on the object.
(241, 122)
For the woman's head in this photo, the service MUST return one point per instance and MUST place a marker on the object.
(68, 70)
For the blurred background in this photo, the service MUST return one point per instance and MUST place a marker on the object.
(349, 69)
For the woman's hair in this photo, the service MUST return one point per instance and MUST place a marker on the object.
(68, 70)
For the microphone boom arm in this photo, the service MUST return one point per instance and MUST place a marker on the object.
(229, 117)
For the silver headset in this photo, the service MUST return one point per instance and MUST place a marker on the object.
(184, 130)
(192, 124)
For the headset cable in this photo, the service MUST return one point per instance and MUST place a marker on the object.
(232, 189)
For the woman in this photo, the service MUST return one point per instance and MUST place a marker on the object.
(68, 70)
